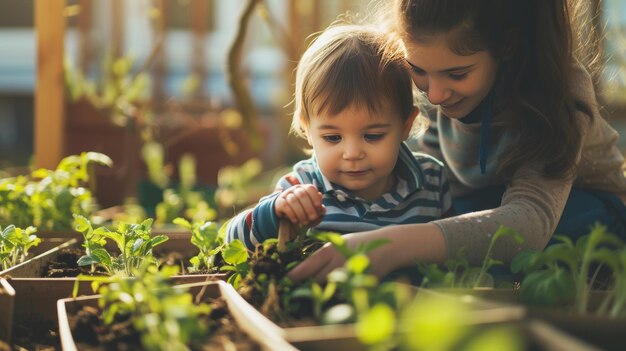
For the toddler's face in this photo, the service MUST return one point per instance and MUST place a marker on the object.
(456, 83)
(358, 149)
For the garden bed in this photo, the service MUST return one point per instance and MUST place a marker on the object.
(262, 333)
(601, 331)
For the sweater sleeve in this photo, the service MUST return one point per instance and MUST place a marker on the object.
(255, 225)
(532, 205)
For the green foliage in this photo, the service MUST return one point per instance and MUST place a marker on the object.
(120, 90)
(236, 256)
(183, 201)
(440, 322)
(233, 183)
(351, 294)
(165, 316)
(457, 273)
(134, 242)
(208, 238)
(564, 272)
(15, 243)
(47, 199)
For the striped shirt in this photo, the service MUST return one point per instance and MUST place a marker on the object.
(420, 195)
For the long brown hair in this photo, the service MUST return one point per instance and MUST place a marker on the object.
(535, 42)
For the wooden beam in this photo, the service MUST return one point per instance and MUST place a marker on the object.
(85, 22)
(200, 14)
(49, 88)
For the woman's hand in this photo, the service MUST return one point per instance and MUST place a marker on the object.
(408, 244)
(301, 204)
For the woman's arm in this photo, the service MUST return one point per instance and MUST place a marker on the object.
(408, 243)
(532, 205)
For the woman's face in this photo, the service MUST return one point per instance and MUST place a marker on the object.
(456, 83)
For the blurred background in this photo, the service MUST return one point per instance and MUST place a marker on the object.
(183, 91)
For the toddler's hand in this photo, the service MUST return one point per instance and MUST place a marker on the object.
(301, 204)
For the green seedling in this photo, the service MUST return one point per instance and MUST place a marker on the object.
(164, 316)
(209, 239)
(564, 272)
(182, 201)
(119, 90)
(46, 198)
(15, 243)
(457, 272)
(134, 241)
(236, 255)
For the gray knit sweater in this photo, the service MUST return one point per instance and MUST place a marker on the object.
(532, 204)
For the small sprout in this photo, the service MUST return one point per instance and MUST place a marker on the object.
(15, 244)
(134, 241)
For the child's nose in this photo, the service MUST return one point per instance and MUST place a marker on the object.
(353, 151)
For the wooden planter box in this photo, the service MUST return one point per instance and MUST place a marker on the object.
(602, 332)
(248, 319)
(33, 268)
(35, 297)
(538, 334)
(44, 246)
(7, 296)
(343, 336)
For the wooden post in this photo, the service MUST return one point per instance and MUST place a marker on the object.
(85, 22)
(199, 18)
(159, 67)
(49, 91)
(117, 29)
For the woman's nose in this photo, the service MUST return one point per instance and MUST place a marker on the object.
(437, 92)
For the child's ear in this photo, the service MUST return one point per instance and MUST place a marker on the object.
(408, 124)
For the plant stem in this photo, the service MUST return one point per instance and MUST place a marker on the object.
(485, 265)
(285, 234)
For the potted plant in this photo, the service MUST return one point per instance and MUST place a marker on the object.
(353, 310)
(158, 316)
(104, 251)
(580, 287)
(46, 199)
(7, 295)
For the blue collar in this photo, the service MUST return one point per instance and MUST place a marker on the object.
(484, 132)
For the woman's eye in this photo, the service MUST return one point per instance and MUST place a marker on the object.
(419, 72)
(332, 138)
(374, 137)
(458, 76)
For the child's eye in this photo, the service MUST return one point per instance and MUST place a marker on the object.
(458, 76)
(374, 137)
(332, 138)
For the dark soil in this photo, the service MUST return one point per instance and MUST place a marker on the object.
(65, 265)
(177, 259)
(262, 287)
(35, 337)
(45, 337)
(90, 333)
